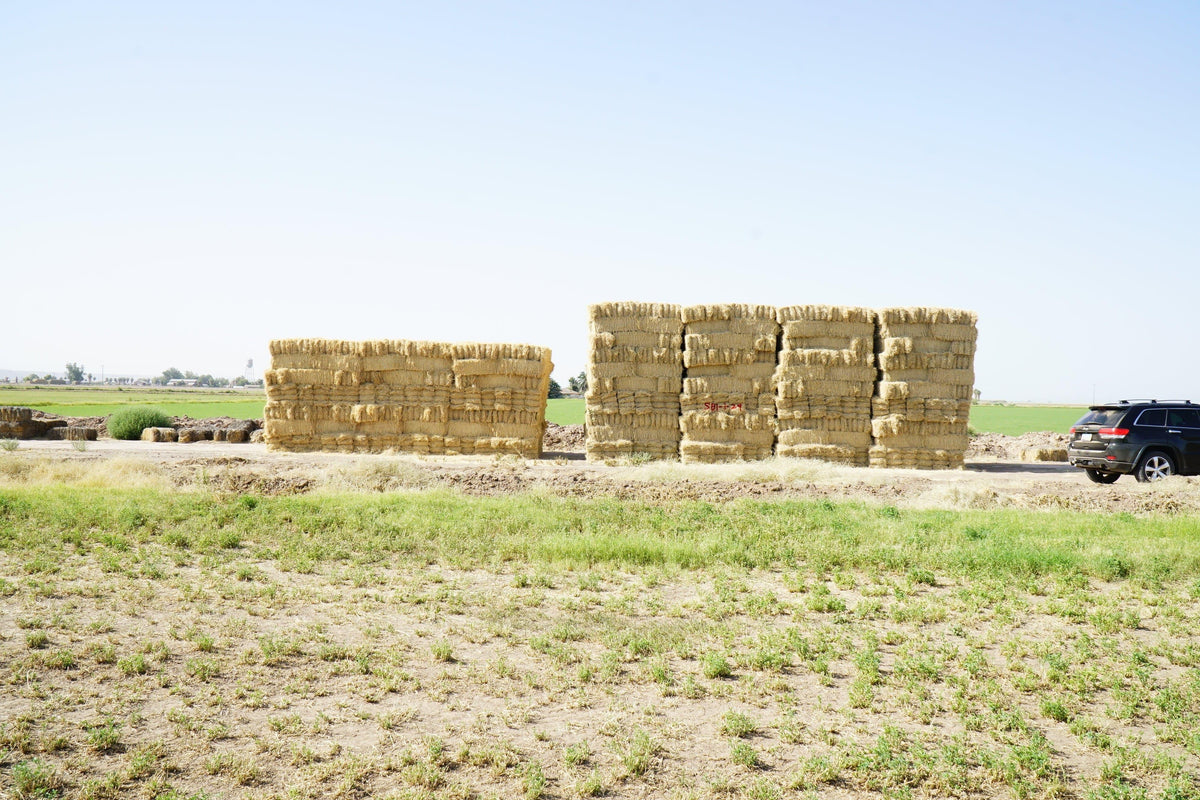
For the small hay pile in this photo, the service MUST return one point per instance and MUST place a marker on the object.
(419, 397)
(922, 402)
(635, 376)
(728, 401)
(824, 382)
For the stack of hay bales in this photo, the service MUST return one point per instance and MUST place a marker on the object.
(824, 383)
(498, 402)
(419, 397)
(635, 376)
(923, 400)
(728, 401)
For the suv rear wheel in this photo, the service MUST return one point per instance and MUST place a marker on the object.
(1154, 466)
(1099, 476)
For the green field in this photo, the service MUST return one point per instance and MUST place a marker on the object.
(567, 411)
(1015, 420)
(86, 401)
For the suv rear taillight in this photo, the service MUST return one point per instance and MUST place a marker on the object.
(1113, 433)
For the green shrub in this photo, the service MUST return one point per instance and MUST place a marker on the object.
(129, 422)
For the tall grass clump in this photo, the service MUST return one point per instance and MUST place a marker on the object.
(129, 422)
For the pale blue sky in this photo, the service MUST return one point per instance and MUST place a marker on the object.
(181, 183)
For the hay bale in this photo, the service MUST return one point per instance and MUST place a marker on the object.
(1044, 454)
(15, 414)
(29, 429)
(188, 435)
(159, 435)
(72, 433)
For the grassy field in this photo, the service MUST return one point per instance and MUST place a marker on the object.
(242, 404)
(89, 401)
(165, 643)
(566, 411)
(1016, 420)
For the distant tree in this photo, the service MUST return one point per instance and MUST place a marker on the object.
(169, 374)
(32, 378)
(555, 390)
(240, 380)
(74, 373)
(977, 394)
(578, 384)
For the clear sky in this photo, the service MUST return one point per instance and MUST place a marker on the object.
(182, 182)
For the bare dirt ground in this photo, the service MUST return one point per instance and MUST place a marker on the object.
(992, 477)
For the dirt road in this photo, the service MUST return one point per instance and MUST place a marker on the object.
(983, 483)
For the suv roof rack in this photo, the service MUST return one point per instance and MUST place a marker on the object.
(1149, 400)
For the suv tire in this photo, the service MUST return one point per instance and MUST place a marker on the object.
(1100, 476)
(1154, 466)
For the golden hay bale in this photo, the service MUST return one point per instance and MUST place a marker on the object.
(691, 422)
(814, 388)
(15, 414)
(627, 310)
(881, 456)
(638, 355)
(947, 442)
(662, 436)
(902, 390)
(895, 425)
(730, 341)
(723, 358)
(928, 362)
(756, 372)
(721, 452)
(800, 365)
(824, 313)
(792, 421)
(603, 340)
(926, 316)
(864, 346)
(798, 436)
(492, 351)
(728, 312)
(728, 385)
(805, 330)
(836, 454)
(668, 420)
(1044, 454)
(159, 435)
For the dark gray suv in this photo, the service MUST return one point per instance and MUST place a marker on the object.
(1149, 438)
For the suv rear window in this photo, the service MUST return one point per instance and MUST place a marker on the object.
(1156, 417)
(1104, 417)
